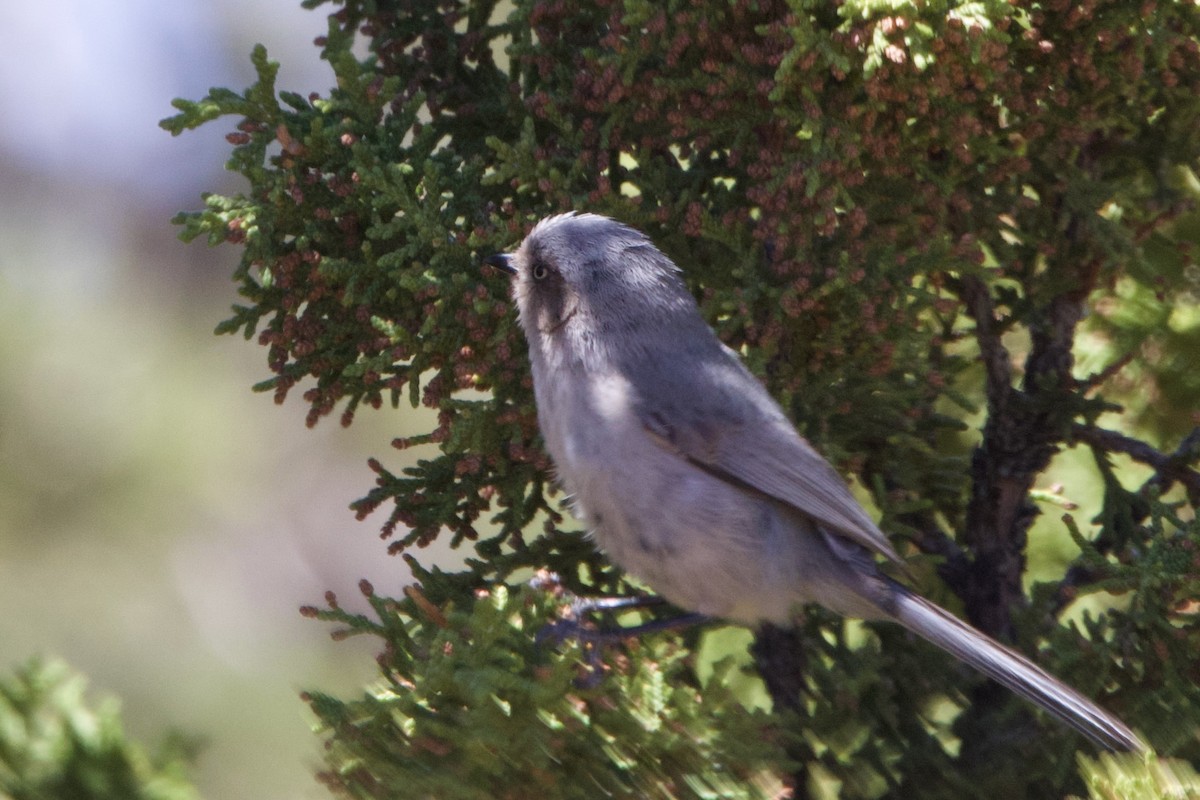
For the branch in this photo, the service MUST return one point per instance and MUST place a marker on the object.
(781, 661)
(993, 353)
(930, 539)
(1023, 431)
(1092, 382)
(1168, 468)
(1065, 593)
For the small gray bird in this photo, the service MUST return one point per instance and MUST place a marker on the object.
(689, 474)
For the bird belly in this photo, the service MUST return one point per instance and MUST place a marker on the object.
(703, 543)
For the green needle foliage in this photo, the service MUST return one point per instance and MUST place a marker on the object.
(54, 745)
(954, 239)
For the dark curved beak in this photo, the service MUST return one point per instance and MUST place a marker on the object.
(502, 262)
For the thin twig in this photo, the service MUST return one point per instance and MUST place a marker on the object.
(1095, 380)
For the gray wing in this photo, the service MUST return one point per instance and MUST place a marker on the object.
(725, 423)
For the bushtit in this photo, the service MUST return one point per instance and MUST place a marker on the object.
(687, 471)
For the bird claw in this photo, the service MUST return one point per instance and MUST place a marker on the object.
(593, 640)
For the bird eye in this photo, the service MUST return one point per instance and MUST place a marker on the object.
(539, 271)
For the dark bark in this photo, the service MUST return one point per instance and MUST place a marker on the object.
(779, 655)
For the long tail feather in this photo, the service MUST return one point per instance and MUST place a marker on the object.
(1013, 671)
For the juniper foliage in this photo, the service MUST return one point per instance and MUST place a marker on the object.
(902, 214)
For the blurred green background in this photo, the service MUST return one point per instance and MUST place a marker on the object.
(159, 523)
